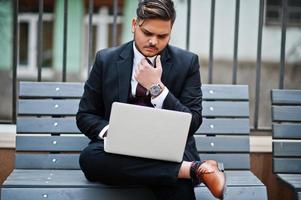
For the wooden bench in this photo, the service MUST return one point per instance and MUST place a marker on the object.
(286, 118)
(48, 145)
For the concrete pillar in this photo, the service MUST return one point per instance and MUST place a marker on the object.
(129, 14)
(6, 34)
(74, 35)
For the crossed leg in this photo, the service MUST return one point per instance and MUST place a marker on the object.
(167, 180)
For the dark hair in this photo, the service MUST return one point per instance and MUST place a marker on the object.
(156, 9)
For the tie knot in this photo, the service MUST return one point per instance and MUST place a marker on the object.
(150, 62)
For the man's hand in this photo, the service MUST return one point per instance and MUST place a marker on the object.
(147, 75)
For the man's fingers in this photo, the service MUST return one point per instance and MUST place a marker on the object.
(158, 62)
(144, 62)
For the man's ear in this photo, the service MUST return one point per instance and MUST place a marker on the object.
(134, 24)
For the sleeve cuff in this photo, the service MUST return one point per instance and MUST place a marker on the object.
(103, 131)
(158, 101)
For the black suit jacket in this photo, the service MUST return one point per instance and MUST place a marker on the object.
(110, 78)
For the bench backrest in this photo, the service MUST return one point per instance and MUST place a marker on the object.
(48, 138)
(224, 134)
(47, 135)
(286, 128)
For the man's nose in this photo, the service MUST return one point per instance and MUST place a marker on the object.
(153, 41)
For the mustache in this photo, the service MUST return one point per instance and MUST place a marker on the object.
(150, 46)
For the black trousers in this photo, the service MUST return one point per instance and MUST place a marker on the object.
(159, 176)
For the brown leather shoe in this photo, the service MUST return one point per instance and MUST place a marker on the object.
(215, 180)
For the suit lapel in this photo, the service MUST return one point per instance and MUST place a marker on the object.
(124, 69)
(166, 65)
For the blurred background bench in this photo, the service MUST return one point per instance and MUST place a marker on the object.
(286, 129)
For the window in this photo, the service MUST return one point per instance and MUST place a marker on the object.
(28, 42)
(119, 31)
(47, 44)
(23, 43)
(273, 12)
(102, 31)
(28, 38)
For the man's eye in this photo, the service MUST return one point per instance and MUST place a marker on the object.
(147, 34)
(162, 36)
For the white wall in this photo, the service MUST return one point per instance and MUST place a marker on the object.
(224, 31)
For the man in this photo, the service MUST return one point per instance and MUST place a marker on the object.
(126, 74)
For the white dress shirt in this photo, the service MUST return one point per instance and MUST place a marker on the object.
(157, 101)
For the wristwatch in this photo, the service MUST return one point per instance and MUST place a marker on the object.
(155, 90)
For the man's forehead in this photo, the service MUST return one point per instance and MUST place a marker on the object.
(155, 25)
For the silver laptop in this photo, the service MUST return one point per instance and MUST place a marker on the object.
(147, 132)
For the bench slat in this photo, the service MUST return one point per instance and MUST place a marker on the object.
(287, 149)
(70, 107)
(287, 165)
(224, 126)
(51, 143)
(46, 161)
(66, 181)
(293, 179)
(286, 131)
(230, 161)
(76, 193)
(50, 90)
(70, 161)
(286, 97)
(234, 193)
(48, 107)
(75, 90)
(62, 180)
(77, 143)
(225, 109)
(225, 92)
(286, 113)
(76, 179)
(47, 125)
(223, 144)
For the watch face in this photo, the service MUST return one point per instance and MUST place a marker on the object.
(155, 90)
